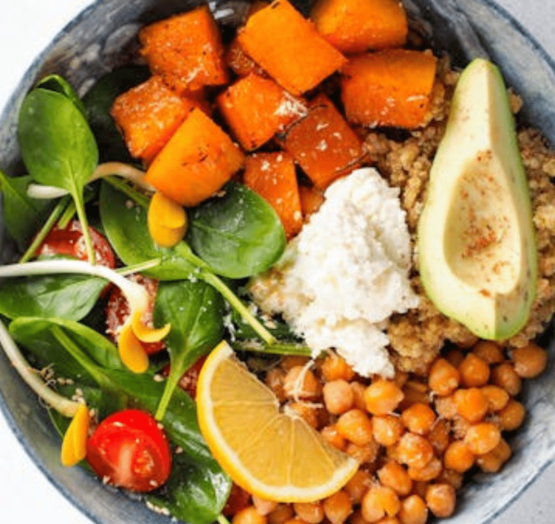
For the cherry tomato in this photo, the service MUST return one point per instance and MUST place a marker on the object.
(238, 499)
(117, 312)
(71, 242)
(130, 450)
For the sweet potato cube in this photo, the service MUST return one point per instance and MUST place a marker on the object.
(323, 143)
(273, 177)
(186, 50)
(256, 108)
(288, 47)
(354, 26)
(388, 88)
(197, 161)
(148, 115)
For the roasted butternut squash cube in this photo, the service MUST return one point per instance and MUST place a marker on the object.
(354, 26)
(273, 177)
(256, 108)
(186, 50)
(288, 47)
(311, 200)
(148, 115)
(389, 88)
(323, 143)
(197, 161)
(239, 62)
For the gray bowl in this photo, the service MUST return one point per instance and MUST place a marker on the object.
(91, 45)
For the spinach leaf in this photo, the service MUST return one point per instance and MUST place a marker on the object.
(60, 85)
(99, 100)
(126, 227)
(58, 147)
(195, 311)
(23, 215)
(238, 234)
(69, 297)
(193, 494)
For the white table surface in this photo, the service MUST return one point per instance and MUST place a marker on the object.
(26, 497)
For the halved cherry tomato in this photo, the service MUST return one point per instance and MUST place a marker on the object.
(130, 450)
(117, 312)
(238, 499)
(71, 242)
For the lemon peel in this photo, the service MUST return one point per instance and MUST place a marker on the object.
(74, 444)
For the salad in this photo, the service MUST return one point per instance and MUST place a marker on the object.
(219, 295)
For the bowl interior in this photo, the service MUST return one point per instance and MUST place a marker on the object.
(92, 45)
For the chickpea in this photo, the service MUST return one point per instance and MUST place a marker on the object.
(311, 512)
(249, 515)
(439, 436)
(497, 397)
(489, 352)
(418, 418)
(358, 485)
(413, 510)
(335, 367)
(387, 429)
(382, 397)
(512, 415)
(415, 450)
(379, 502)
(338, 396)
(441, 499)
(263, 506)
(482, 438)
(274, 380)
(493, 461)
(338, 507)
(505, 376)
(281, 514)
(331, 434)
(444, 378)
(355, 425)
(529, 361)
(395, 476)
(429, 472)
(458, 457)
(471, 404)
(301, 383)
(474, 371)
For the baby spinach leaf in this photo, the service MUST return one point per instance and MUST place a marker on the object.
(69, 297)
(99, 100)
(238, 234)
(195, 311)
(36, 335)
(58, 147)
(23, 215)
(60, 85)
(193, 494)
(125, 225)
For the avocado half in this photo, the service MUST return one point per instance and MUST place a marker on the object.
(476, 238)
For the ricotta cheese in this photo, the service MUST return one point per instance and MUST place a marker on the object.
(346, 273)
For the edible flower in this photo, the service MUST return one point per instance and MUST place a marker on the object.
(74, 445)
(167, 220)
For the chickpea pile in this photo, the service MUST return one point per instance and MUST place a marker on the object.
(415, 436)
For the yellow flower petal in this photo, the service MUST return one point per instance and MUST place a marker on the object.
(145, 333)
(166, 212)
(74, 445)
(166, 237)
(131, 351)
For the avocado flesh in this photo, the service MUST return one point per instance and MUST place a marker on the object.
(476, 238)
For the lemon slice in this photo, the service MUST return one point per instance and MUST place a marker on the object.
(270, 453)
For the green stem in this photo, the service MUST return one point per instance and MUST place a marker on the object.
(76, 352)
(279, 348)
(138, 268)
(45, 229)
(236, 303)
(68, 214)
(222, 519)
(167, 394)
(82, 215)
(124, 187)
(64, 406)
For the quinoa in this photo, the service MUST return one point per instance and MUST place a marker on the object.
(417, 337)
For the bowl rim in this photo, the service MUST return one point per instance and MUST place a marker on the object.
(27, 444)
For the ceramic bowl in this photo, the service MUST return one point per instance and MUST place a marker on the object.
(92, 44)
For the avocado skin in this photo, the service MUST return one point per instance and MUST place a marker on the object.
(476, 239)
